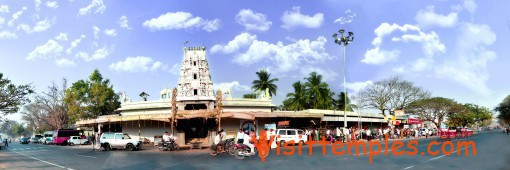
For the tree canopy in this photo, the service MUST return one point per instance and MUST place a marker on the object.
(91, 98)
(264, 82)
(392, 93)
(434, 109)
(504, 110)
(12, 96)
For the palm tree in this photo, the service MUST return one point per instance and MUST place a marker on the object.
(264, 82)
(297, 100)
(341, 104)
(144, 96)
(319, 95)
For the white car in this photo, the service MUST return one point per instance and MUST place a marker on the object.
(111, 140)
(77, 140)
(285, 135)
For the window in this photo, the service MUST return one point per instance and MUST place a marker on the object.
(118, 136)
(291, 132)
(195, 92)
(282, 132)
(195, 76)
(195, 63)
(126, 136)
(300, 132)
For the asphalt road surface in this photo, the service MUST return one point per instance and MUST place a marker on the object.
(493, 152)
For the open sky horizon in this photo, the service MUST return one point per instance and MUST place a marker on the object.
(453, 48)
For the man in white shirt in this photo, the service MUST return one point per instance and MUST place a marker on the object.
(165, 136)
(426, 133)
(247, 142)
(218, 142)
(223, 135)
(240, 136)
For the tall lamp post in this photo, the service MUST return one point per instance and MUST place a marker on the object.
(344, 40)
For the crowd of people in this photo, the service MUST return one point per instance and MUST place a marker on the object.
(354, 133)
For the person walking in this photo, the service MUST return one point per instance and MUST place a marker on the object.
(93, 141)
(426, 133)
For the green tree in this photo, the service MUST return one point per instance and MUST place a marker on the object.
(91, 98)
(265, 82)
(504, 110)
(318, 92)
(481, 115)
(12, 96)
(18, 129)
(340, 103)
(298, 100)
(250, 96)
(436, 108)
(144, 96)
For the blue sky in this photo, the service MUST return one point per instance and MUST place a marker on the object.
(455, 49)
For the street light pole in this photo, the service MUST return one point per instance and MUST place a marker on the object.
(344, 40)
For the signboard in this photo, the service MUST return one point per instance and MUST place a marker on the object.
(414, 121)
(397, 122)
(284, 123)
(393, 118)
(406, 126)
(270, 126)
(398, 112)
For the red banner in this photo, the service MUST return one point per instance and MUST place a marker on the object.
(414, 121)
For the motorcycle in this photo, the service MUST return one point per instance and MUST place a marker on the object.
(243, 150)
(228, 147)
(170, 145)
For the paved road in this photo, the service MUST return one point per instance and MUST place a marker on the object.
(493, 152)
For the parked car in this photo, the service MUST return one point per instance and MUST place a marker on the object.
(23, 140)
(77, 140)
(110, 140)
(34, 140)
(2, 144)
(285, 135)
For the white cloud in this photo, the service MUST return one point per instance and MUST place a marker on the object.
(137, 64)
(181, 20)
(252, 20)
(52, 4)
(428, 18)
(4, 9)
(294, 18)
(2, 20)
(51, 49)
(64, 62)
(74, 44)
(355, 87)
(470, 64)
(248, 50)
(96, 6)
(96, 31)
(98, 54)
(6, 35)
(61, 37)
(234, 85)
(176, 69)
(346, 19)
(399, 69)
(39, 26)
(327, 74)
(241, 40)
(15, 16)
(470, 5)
(123, 22)
(38, 5)
(110, 32)
(378, 57)
(431, 44)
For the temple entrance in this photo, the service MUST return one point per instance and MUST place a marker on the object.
(197, 129)
(195, 107)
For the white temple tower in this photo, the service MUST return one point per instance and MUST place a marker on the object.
(195, 89)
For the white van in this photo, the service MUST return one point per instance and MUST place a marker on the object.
(284, 135)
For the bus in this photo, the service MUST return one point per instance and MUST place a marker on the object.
(61, 136)
(47, 137)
